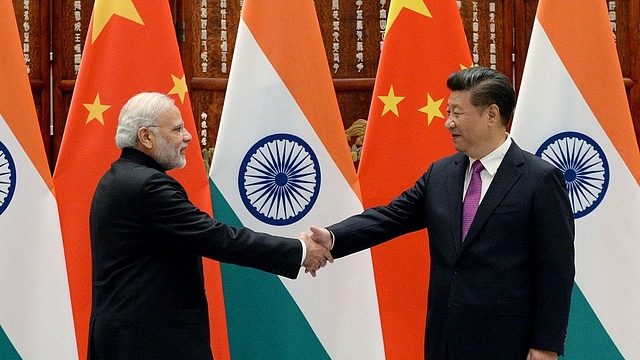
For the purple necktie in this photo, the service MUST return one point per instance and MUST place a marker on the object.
(472, 198)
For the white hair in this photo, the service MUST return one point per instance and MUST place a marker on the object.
(143, 109)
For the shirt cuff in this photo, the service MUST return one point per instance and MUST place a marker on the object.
(333, 239)
(304, 251)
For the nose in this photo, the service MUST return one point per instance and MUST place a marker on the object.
(186, 135)
(449, 124)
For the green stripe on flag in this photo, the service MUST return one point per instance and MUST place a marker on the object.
(261, 329)
(222, 211)
(586, 337)
(7, 351)
(271, 328)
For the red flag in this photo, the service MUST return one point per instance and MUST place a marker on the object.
(424, 43)
(131, 47)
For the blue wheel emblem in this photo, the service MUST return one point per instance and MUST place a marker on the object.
(7, 177)
(279, 179)
(585, 168)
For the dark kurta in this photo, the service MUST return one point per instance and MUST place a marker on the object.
(147, 240)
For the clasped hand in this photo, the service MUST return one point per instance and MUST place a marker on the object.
(317, 255)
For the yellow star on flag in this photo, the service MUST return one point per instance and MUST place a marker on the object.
(390, 102)
(397, 6)
(105, 9)
(432, 109)
(96, 109)
(179, 87)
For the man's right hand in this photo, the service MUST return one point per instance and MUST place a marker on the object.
(317, 256)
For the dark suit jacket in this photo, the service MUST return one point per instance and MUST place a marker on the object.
(147, 240)
(508, 287)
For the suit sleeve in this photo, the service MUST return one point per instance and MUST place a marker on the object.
(402, 215)
(178, 225)
(553, 224)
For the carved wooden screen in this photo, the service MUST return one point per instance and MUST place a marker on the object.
(70, 22)
(488, 26)
(498, 33)
(33, 25)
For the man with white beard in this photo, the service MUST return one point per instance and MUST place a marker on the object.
(148, 239)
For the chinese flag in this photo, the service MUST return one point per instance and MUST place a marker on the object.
(131, 47)
(424, 43)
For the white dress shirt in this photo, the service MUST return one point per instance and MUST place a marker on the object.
(491, 162)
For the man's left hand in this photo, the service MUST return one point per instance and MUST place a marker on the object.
(535, 354)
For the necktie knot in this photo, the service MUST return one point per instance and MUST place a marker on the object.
(477, 166)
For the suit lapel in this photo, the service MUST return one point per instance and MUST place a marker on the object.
(454, 192)
(506, 176)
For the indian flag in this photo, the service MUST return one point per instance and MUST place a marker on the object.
(35, 308)
(281, 164)
(572, 111)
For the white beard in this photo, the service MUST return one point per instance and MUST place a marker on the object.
(169, 156)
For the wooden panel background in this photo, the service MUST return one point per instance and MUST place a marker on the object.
(498, 33)
(33, 25)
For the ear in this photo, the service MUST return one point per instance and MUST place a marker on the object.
(145, 138)
(493, 111)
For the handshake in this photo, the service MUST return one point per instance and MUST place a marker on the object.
(318, 243)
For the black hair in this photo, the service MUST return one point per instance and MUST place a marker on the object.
(487, 87)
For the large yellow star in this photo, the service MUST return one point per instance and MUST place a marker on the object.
(96, 109)
(390, 102)
(432, 109)
(397, 6)
(179, 87)
(104, 10)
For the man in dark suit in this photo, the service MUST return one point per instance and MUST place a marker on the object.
(147, 240)
(503, 290)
